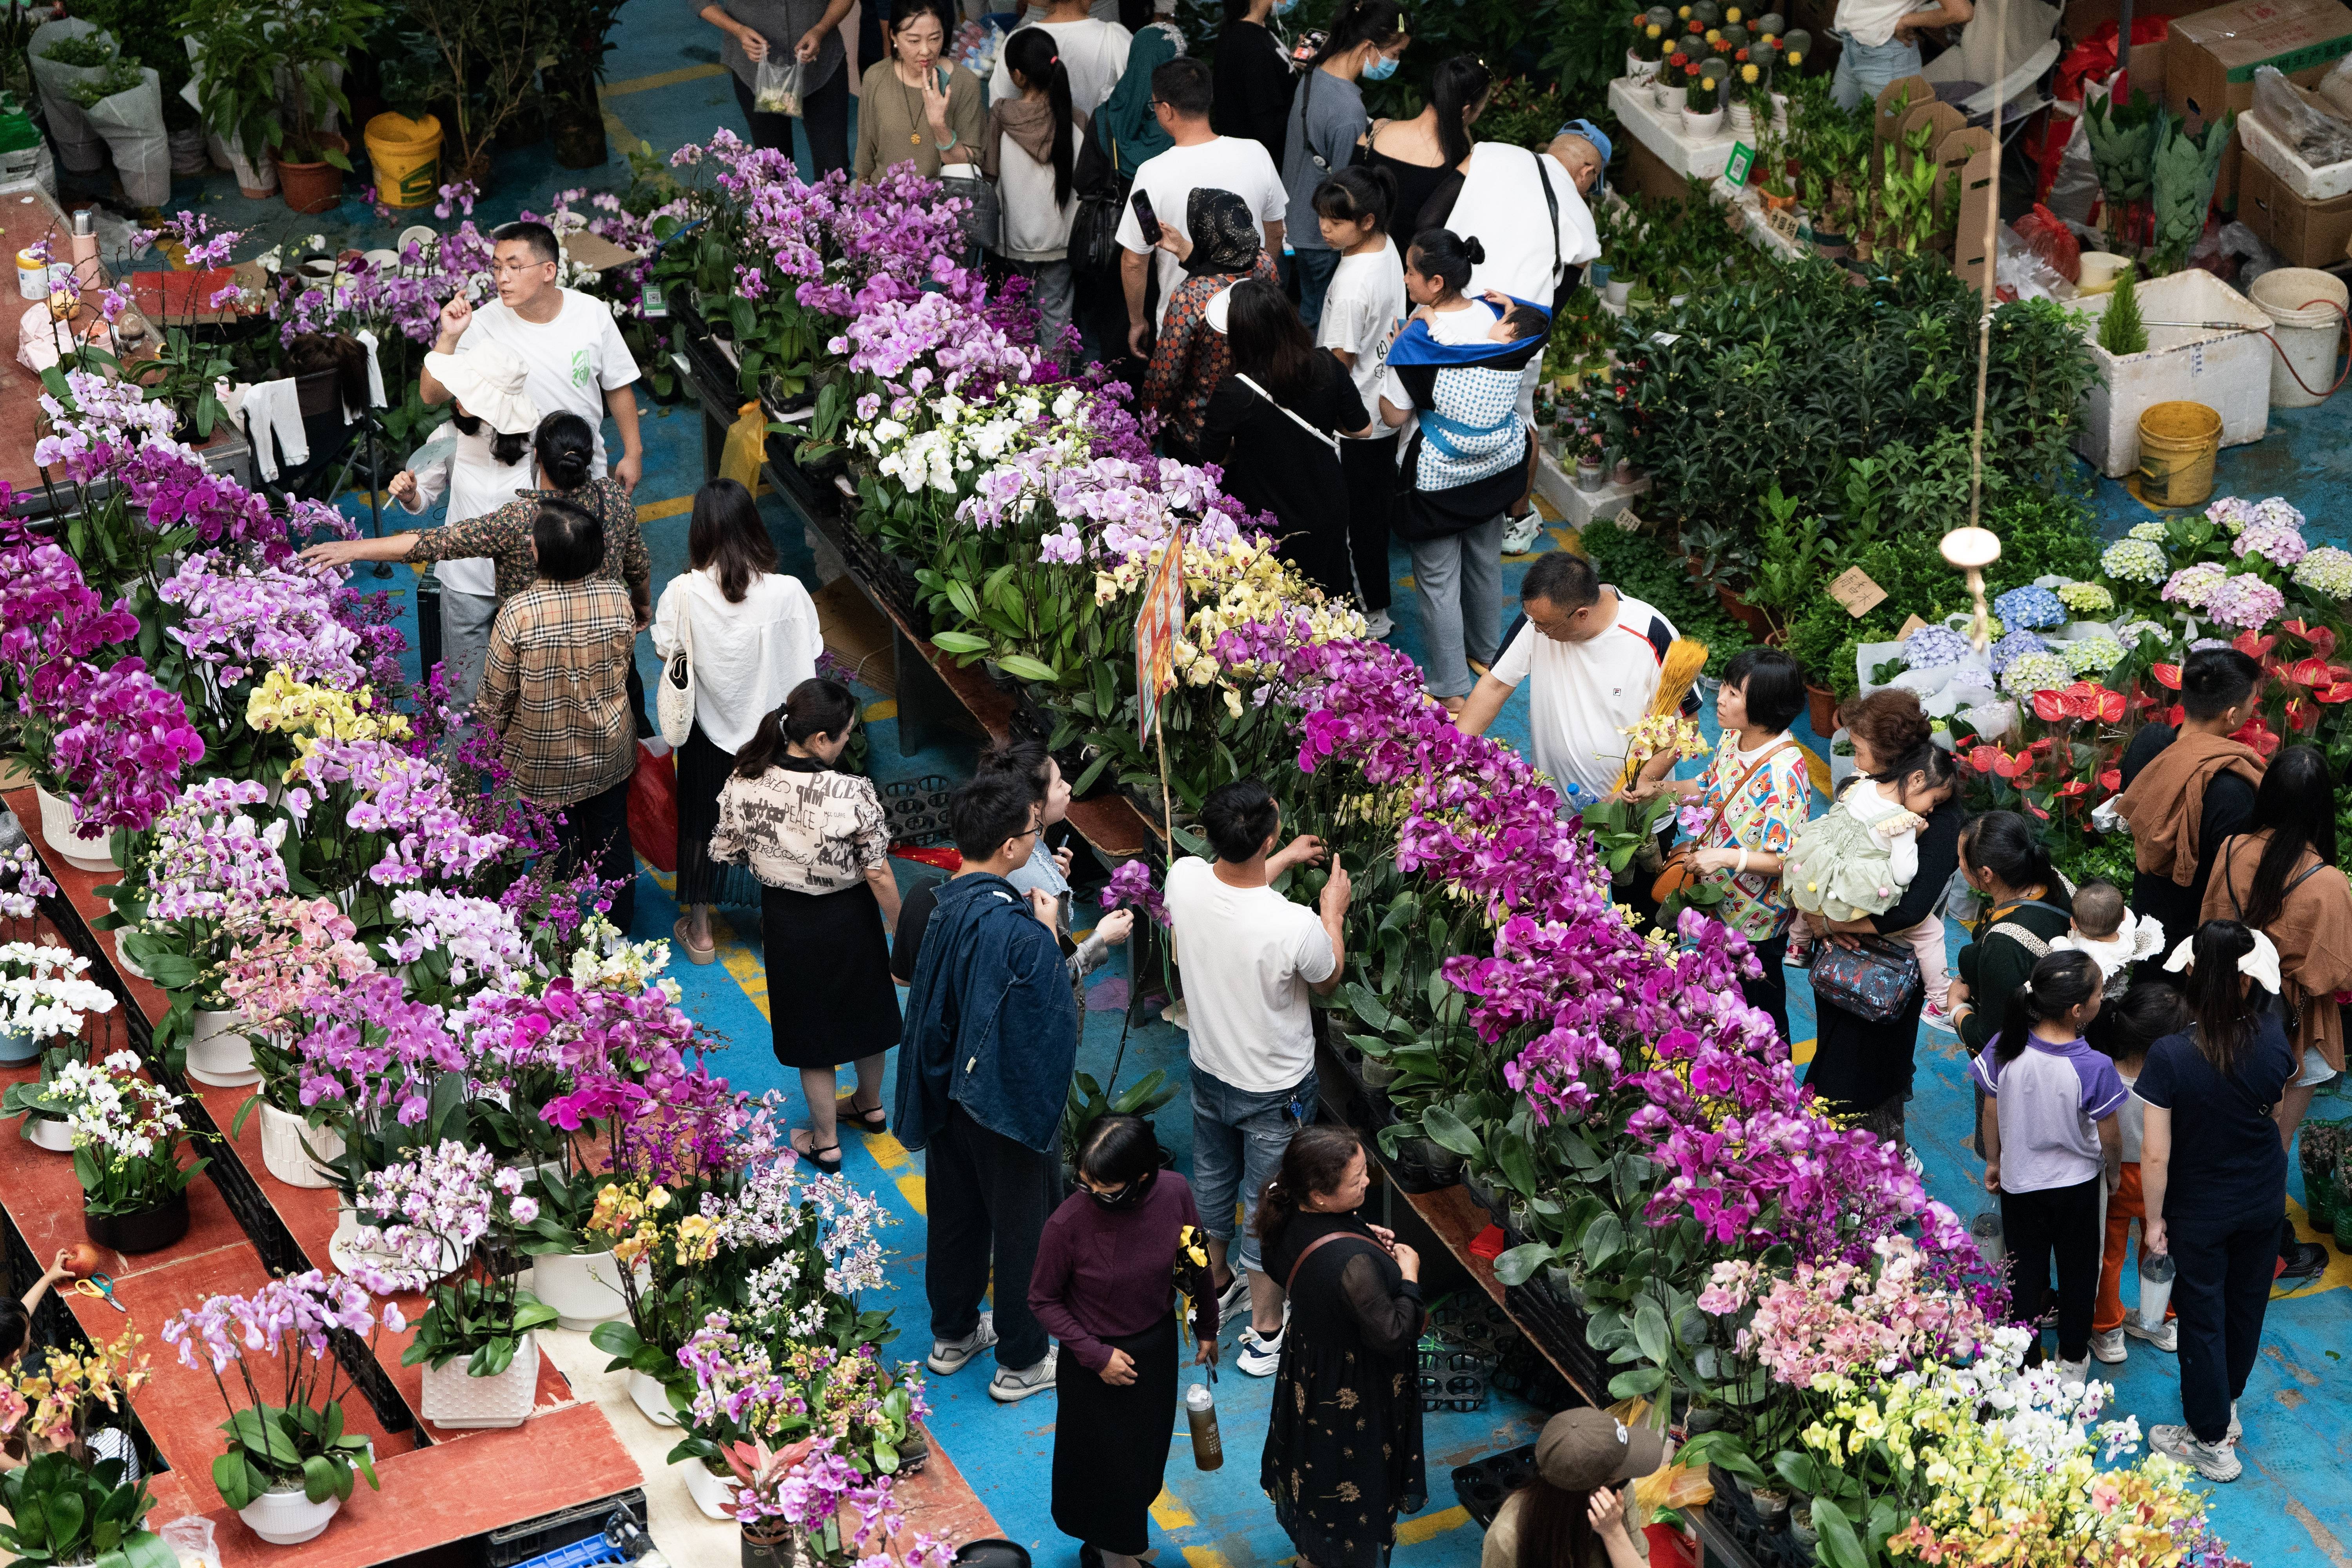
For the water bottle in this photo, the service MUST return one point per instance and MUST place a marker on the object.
(1201, 1410)
(1985, 1230)
(2156, 1272)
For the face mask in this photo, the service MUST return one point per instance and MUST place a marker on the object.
(1127, 1198)
(1383, 68)
(1285, 7)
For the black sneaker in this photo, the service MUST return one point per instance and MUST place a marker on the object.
(2302, 1263)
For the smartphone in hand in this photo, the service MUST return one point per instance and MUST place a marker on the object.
(1144, 216)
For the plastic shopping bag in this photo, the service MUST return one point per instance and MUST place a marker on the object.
(778, 91)
(653, 808)
(746, 448)
(131, 124)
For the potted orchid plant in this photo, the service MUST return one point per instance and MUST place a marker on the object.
(76, 1500)
(292, 1461)
(449, 1218)
(127, 1136)
(287, 956)
(45, 993)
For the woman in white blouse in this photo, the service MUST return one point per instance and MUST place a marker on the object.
(752, 634)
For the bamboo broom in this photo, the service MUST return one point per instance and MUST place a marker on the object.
(1685, 658)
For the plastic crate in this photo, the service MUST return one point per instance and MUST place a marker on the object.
(579, 1554)
(551, 1541)
(1482, 1486)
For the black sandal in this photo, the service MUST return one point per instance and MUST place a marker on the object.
(873, 1123)
(816, 1156)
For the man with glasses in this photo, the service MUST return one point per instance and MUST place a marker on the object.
(576, 360)
(990, 1041)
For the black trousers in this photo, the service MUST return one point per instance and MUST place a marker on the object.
(990, 1198)
(1369, 467)
(702, 770)
(2060, 1224)
(824, 115)
(595, 832)
(1770, 990)
(2220, 1292)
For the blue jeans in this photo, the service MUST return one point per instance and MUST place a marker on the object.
(1865, 70)
(1315, 269)
(1238, 1138)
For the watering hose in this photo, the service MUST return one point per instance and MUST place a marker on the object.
(2266, 331)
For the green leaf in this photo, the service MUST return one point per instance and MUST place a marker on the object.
(1519, 1266)
(1028, 668)
(1650, 1332)
(1838, 1546)
(318, 1478)
(960, 642)
(1450, 1132)
(1640, 1380)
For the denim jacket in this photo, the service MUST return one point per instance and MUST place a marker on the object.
(990, 1024)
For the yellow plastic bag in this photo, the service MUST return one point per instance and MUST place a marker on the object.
(1671, 1486)
(746, 448)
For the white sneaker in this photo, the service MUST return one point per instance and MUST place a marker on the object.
(1175, 1013)
(2109, 1346)
(948, 1356)
(2214, 1461)
(1258, 1357)
(2074, 1372)
(1012, 1384)
(2236, 1429)
(1911, 1162)
(1379, 626)
(2164, 1336)
(1521, 533)
(1234, 1296)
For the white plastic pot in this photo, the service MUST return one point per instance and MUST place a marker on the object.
(282, 1136)
(584, 1288)
(124, 964)
(58, 831)
(651, 1398)
(1616, 291)
(455, 1400)
(1702, 127)
(253, 180)
(48, 1132)
(2306, 308)
(218, 1052)
(287, 1517)
(343, 1249)
(712, 1494)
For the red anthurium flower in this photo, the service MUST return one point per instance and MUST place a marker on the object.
(2109, 705)
(2012, 768)
(2174, 714)
(1984, 758)
(2311, 672)
(2257, 735)
(2253, 646)
(2073, 787)
(2340, 691)
(2049, 707)
(2111, 779)
(2301, 715)
(2167, 676)
(2037, 811)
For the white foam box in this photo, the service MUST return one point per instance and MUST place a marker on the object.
(2225, 367)
(1578, 508)
(2268, 148)
(1661, 131)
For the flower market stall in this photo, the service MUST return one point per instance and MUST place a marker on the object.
(377, 1055)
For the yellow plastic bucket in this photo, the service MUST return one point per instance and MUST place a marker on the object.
(2177, 443)
(406, 157)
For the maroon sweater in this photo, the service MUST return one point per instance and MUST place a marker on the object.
(1105, 1274)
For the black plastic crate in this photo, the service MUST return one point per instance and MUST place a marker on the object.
(1482, 1486)
(513, 1545)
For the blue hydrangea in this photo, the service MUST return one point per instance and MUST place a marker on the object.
(2030, 608)
(1932, 647)
(2015, 645)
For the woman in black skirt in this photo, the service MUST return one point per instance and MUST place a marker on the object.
(815, 840)
(1105, 1273)
(750, 633)
(1343, 1440)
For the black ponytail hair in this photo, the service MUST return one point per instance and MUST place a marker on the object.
(1927, 758)
(1354, 194)
(567, 450)
(1271, 343)
(1446, 255)
(2296, 802)
(2061, 982)
(1459, 89)
(1316, 1159)
(2006, 844)
(815, 707)
(2227, 1013)
(1117, 1148)
(507, 446)
(1359, 22)
(1033, 56)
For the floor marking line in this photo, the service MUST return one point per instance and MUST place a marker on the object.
(652, 511)
(1412, 1532)
(660, 80)
(1169, 1512)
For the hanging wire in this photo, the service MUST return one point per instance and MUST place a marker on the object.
(1992, 267)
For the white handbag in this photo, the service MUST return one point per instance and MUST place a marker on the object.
(674, 700)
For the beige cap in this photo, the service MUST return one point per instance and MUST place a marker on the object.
(1583, 1451)
(488, 381)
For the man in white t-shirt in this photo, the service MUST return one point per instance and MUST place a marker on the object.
(1593, 658)
(1250, 957)
(1201, 160)
(577, 362)
(1093, 52)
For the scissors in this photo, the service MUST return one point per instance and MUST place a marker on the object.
(99, 1287)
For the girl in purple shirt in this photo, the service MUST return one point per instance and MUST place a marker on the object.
(2050, 1138)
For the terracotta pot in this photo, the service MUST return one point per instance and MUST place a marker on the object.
(1821, 708)
(1746, 614)
(312, 187)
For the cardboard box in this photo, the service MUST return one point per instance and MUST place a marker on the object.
(2210, 57)
(2306, 233)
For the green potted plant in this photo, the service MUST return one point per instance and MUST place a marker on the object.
(1703, 113)
(236, 79)
(127, 1135)
(314, 40)
(65, 1504)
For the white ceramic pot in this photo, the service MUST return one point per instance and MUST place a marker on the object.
(584, 1288)
(1743, 119)
(343, 1248)
(1616, 290)
(1702, 127)
(58, 831)
(1670, 98)
(282, 1136)
(218, 1052)
(288, 1518)
(652, 1399)
(712, 1494)
(1639, 71)
(47, 1133)
(454, 1399)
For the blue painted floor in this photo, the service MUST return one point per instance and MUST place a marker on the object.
(2295, 1504)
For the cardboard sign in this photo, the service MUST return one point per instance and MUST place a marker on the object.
(1159, 622)
(1735, 174)
(1911, 624)
(1853, 588)
(595, 253)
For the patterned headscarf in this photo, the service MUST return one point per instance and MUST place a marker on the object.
(1226, 237)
